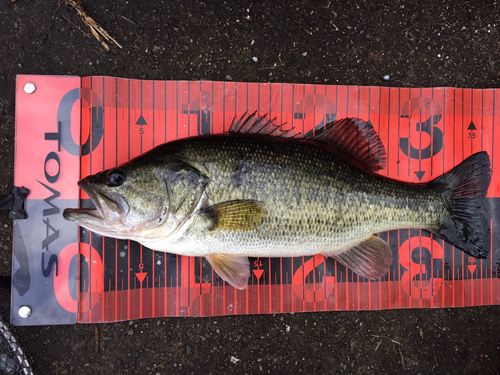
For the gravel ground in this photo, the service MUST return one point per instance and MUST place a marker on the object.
(439, 43)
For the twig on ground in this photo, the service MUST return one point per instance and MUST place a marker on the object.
(97, 31)
(84, 33)
(388, 338)
(58, 6)
(96, 333)
(403, 362)
(275, 65)
(132, 22)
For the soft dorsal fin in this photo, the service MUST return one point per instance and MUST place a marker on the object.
(253, 124)
(351, 137)
(355, 139)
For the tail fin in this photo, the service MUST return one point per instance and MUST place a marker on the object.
(465, 187)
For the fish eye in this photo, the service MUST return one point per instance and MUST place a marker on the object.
(115, 177)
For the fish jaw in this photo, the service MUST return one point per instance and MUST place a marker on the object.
(90, 219)
(110, 217)
(105, 219)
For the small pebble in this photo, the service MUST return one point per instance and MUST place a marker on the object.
(255, 59)
(386, 77)
(229, 78)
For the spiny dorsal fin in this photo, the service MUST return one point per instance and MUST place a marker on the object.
(234, 215)
(370, 259)
(355, 139)
(253, 124)
(351, 137)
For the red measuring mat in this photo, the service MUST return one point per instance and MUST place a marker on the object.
(426, 132)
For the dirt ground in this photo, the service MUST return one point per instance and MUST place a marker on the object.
(441, 43)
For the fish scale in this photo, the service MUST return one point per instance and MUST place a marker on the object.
(263, 192)
(340, 205)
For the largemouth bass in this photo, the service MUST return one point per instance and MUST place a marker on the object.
(260, 191)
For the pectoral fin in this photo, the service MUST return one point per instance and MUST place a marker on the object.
(235, 269)
(234, 215)
(370, 259)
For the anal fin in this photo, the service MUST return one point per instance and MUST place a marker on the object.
(235, 269)
(370, 259)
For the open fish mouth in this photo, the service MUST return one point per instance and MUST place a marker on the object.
(107, 210)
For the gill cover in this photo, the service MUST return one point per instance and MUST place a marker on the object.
(147, 197)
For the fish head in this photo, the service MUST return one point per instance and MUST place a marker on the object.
(130, 201)
(144, 200)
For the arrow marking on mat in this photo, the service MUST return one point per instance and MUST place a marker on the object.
(258, 273)
(472, 269)
(420, 174)
(141, 276)
(472, 126)
(141, 121)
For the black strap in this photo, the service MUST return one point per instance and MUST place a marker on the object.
(14, 202)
